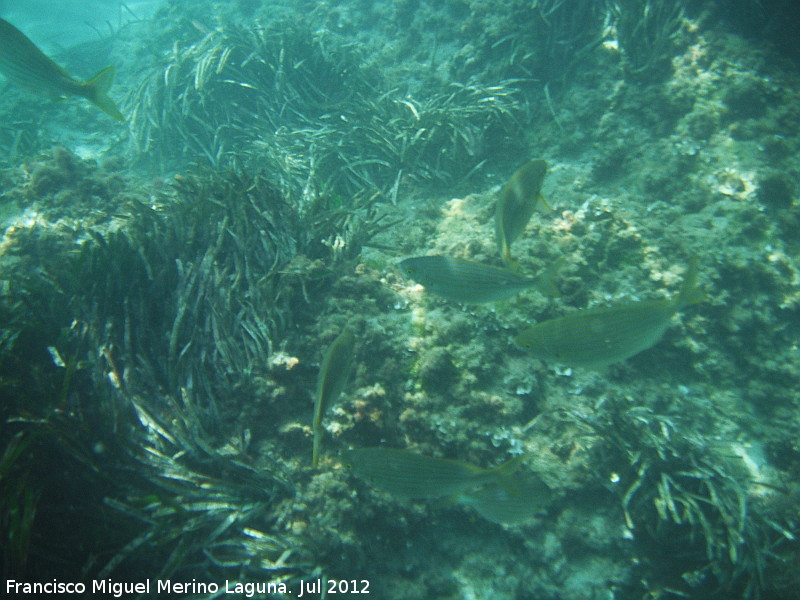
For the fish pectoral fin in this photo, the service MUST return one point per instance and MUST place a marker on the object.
(444, 502)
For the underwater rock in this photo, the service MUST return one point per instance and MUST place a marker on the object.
(745, 99)
(436, 370)
(50, 177)
(776, 190)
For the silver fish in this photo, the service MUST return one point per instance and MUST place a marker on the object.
(470, 282)
(333, 375)
(25, 65)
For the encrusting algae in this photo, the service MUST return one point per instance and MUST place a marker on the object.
(237, 269)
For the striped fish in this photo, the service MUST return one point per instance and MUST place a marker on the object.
(597, 337)
(25, 65)
(333, 374)
(518, 199)
(470, 282)
(411, 475)
(509, 505)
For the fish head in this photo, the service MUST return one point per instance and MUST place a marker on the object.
(527, 339)
(536, 340)
(409, 266)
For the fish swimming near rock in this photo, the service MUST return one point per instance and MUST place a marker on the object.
(597, 337)
(412, 475)
(519, 198)
(512, 504)
(471, 282)
(25, 65)
(333, 375)
(506, 494)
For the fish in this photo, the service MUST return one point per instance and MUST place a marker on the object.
(598, 337)
(470, 282)
(521, 501)
(25, 65)
(412, 475)
(333, 375)
(519, 198)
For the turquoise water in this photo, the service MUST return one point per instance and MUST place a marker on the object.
(63, 25)
(170, 285)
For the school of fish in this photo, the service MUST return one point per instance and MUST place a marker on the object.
(590, 338)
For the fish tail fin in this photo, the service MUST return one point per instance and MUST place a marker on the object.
(545, 280)
(97, 92)
(542, 204)
(315, 449)
(690, 293)
(512, 264)
(508, 467)
(505, 475)
(505, 249)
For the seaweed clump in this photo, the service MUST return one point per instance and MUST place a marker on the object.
(646, 32)
(146, 349)
(21, 133)
(310, 110)
(686, 506)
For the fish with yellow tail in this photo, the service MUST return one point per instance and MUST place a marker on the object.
(412, 475)
(470, 282)
(506, 494)
(597, 337)
(333, 374)
(519, 198)
(23, 64)
(521, 499)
